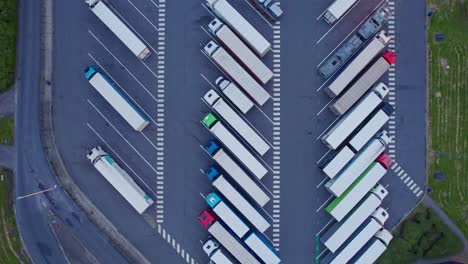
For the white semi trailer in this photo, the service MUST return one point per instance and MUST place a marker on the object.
(363, 235)
(236, 122)
(337, 10)
(119, 179)
(349, 122)
(253, 64)
(232, 68)
(375, 248)
(337, 235)
(115, 97)
(211, 122)
(338, 185)
(234, 94)
(374, 48)
(240, 25)
(119, 28)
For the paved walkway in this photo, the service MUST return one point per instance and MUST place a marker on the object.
(7, 103)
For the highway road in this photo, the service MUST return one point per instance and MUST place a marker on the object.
(32, 170)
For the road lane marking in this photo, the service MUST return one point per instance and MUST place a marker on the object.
(326, 130)
(138, 10)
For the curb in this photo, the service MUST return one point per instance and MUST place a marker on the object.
(53, 155)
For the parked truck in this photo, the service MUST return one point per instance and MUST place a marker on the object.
(270, 7)
(339, 233)
(240, 25)
(337, 10)
(116, 98)
(227, 215)
(225, 238)
(244, 55)
(363, 83)
(375, 248)
(236, 122)
(215, 252)
(119, 28)
(340, 57)
(369, 129)
(211, 122)
(236, 173)
(338, 185)
(334, 163)
(341, 206)
(374, 23)
(234, 94)
(241, 204)
(349, 122)
(363, 235)
(222, 58)
(358, 64)
(119, 179)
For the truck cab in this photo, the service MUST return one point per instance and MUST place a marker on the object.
(95, 153)
(215, 25)
(212, 173)
(210, 246)
(380, 191)
(89, 72)
(210, 48)
(385, 160)
(212, 199)
(209, 120)
(206, 218)
(211, 147)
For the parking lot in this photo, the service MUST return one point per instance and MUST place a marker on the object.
(165, 159)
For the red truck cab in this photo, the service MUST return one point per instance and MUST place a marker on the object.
(206, 218)
(384, 160)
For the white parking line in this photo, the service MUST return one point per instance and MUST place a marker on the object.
(243, 118)
(331, 197)
(121, 159)
(133, 29)
(320, 184)
(264, 19)
(324, 155)
(325, 107)
(323, 228)
(122, 136)
(351, 32)
(337, 22)
(138, 10)
(157, 6)
(326, 129)
(104, 46)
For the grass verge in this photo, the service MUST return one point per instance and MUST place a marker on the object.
(8, 26)
(11, 251)
(422, 236)
(7, 131)
(448, 103)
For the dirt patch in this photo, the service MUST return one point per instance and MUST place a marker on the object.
(444, 64)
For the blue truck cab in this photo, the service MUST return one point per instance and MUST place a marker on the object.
(89, 72)
(211, 147)
(212, 173)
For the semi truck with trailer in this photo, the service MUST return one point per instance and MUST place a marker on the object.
(240, 25)
(129, 39)
(240, 51)
(241, 204)
(352, 247)
(375, 22)
(340, 207)
(337, 10)
(363, 83)
(367, 54)
(225, 238)
(333, 164)
(375, 248)
(270, 7)
(232, 68)
(215, 252)
(236, 172)
(234, 145)
(236, 122)
(369, 129)
(234, 94)
(119, 179)
(116, 98)
(338, 185)
(337, 235)
(227, 215)
(353, 118)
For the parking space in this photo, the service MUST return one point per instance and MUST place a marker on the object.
(167, 157)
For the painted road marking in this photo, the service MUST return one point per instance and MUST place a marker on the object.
(172, 242)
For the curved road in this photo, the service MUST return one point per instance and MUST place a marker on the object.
(32, 169)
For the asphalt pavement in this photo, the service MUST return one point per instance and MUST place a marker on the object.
(32, 171)
(83, 119)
